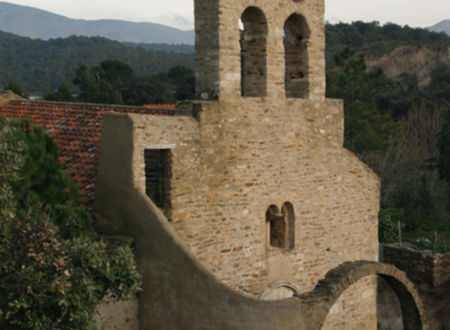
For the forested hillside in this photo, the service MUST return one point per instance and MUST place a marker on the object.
(376, 40)
(39, 66)
(397, 120)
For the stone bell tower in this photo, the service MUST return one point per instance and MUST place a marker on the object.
(260, 48)
(258, 185)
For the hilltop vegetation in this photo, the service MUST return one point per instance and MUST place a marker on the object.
(375, 40)
(39, 66)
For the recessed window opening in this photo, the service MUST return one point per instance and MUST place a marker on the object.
(296, 36)
(158, 172)
(280, 227)
(288, 211)
(253, 40)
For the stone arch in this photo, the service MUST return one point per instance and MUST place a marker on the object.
(253, 42)
(279, 290)
(338, 280)
(296, 37)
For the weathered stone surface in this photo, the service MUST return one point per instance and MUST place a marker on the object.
(117, 315)
(253, 145)
(431, 274)
(6, 96)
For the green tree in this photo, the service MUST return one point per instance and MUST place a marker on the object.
(42, 180)
(63, 93)
(14, 86)
(366, 128)
(388, 224)
(184, 81)
(95, 87)
(48, 278)
(148, 90)
(112, 82)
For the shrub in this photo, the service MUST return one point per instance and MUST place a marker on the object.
(50, 278)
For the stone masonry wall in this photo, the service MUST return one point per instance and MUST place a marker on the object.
(218, 50)
(430, 273)
(418, 265)
(120, 315)
(244, 156)
(355, 309)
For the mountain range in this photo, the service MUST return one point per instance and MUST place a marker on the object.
(442, 26)
(40, 24)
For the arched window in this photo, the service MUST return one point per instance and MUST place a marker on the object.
(276, 227)
(296, 36)
(288, 211)
(253, 40)
(280, 227)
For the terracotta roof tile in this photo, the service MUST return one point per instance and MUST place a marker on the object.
(77, 129)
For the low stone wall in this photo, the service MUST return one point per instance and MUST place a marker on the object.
(430, 273)
(418, 265)
(421, 267)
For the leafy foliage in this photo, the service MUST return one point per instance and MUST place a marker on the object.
(375, 39)
(402, 131)
(45, 64)
(388, 224)
(15, 87)
(367, 129)
(113, 82)
(50, 277)
(42, 180)
(184, 81)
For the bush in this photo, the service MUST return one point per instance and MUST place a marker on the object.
(50, 278)
(388, 219)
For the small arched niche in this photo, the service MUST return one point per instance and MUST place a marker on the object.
(296, 37)
(280, 227)
(253, 41)
(279, 290)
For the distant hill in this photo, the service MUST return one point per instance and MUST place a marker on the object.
(418, 61)
(396, 49)
(443, 26)
(183, 48)
(40, 24)
(39, 65)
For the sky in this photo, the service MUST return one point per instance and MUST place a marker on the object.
(179, 13)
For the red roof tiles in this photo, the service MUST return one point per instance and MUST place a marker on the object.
(160, 106)
(77, 129)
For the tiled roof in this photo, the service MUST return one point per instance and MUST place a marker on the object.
(77, 129)
(160, 106)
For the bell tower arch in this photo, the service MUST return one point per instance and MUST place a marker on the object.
(260, 48)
